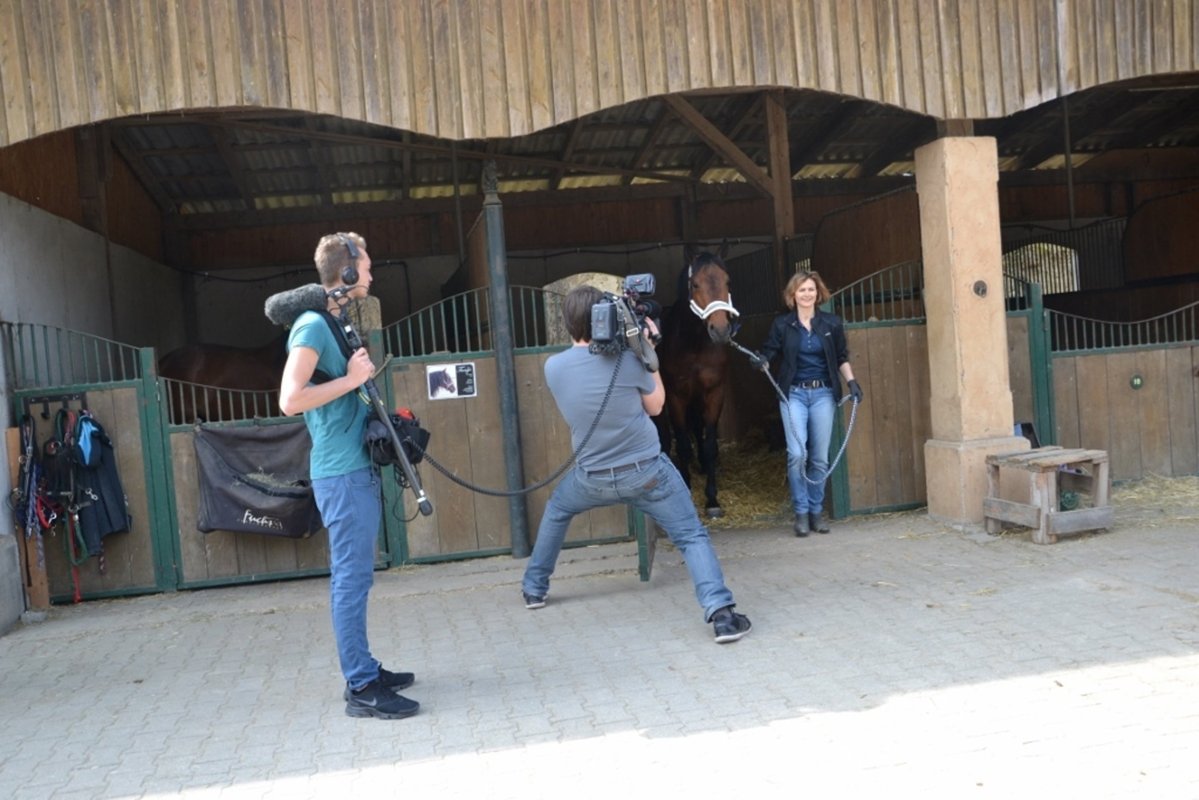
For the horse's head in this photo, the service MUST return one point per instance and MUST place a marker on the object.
(440, 380)
(708, 293)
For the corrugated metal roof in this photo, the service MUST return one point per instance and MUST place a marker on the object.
(236, 162)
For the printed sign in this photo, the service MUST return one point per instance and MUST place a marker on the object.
(447, 381)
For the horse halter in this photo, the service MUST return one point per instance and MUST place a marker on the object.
(712, 307)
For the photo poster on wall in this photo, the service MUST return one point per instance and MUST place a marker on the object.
(447, 381)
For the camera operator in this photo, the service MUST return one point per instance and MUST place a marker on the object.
(345, 483)
(622, 461)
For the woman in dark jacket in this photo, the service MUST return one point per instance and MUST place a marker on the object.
(810, 357)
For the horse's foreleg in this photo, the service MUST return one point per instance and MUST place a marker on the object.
(677, 422)
(662, 423)
(708, 457)
(683, 453)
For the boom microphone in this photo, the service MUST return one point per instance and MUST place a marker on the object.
(285, 307)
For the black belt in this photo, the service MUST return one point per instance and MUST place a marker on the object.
(622, 468)
(813, 384)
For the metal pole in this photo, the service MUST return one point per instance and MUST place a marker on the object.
(1069, 160)
(457, 204)
(505, 364)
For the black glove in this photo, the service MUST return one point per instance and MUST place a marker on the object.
(758, 362)
(855, 391)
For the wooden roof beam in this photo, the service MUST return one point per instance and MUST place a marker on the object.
(649, 142)
(144, 174)
(568, 151)
(807, 147)
(715, 139)
(910, 136)
(406, 167)
(1081, 126)
(474, 155)
(234, 165)
(783, 210)
(320, 162)
(1184, 105)
(752, 114)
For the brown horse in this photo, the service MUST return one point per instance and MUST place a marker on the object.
(219, 382)
(694, 356)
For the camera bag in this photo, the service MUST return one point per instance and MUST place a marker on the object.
(413, 438)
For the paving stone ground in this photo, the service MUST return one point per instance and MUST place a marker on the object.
(894, 657)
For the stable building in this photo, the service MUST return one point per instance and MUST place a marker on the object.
(1002, 192)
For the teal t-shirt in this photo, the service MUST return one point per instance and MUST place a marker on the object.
(337, 427)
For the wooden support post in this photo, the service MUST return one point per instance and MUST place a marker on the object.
(33, 574)
(780, 177)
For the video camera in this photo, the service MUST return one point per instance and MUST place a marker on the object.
(617, 321)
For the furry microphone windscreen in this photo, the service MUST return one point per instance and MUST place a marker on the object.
(283, 308)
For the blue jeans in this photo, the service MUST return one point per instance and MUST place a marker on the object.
(808, 423)
(657, 489)
(351, 507)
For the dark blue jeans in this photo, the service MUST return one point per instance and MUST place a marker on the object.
(351, 508)
(655, 488)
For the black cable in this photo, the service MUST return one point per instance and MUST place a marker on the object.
(783, 400)
(557, 473)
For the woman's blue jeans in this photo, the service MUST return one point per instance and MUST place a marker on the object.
(657, 489)
(351, 507)
(808, 423)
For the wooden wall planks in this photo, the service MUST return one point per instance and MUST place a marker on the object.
(502, 68)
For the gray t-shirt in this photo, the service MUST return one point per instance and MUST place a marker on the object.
(625, 433)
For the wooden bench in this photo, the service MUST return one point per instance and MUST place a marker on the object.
(1051, 470)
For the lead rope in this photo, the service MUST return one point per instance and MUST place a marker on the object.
(853, 415)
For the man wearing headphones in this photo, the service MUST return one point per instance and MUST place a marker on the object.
(346, 485)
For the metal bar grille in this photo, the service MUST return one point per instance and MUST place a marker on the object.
(461, 324)
(1071, 333)
(1090, 257)
(188, 403)
(753, 282)
(891, 294)
(42, 356)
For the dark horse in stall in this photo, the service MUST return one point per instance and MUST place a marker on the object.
(694, 356)
(440, 383)
(229, 382)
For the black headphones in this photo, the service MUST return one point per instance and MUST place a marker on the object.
(349, 273)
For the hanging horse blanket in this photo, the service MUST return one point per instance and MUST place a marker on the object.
(255, 480)
(103, 506)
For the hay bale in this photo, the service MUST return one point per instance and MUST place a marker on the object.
(365, 315)
(555, 330)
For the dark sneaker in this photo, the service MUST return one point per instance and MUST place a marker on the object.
(730, 626)
(533, 601)
(396, 681)
(376, 700)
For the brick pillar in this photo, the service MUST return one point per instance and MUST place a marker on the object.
(971, 401)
